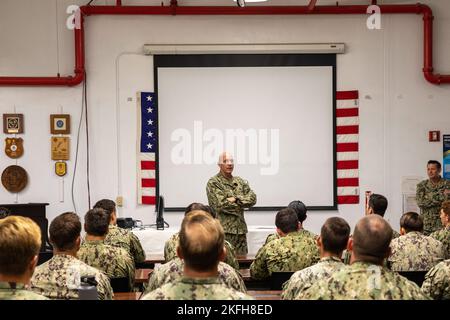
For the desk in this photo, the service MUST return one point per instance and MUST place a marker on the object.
(127, 295)
(265, 294)
(141, 275)
(244, 260)
(153, 240)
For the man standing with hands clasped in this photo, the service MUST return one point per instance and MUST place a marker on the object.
(430, 194)
(228, 195)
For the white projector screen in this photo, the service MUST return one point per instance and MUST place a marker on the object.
(276, 120)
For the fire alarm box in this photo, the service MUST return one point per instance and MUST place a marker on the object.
(434, 136)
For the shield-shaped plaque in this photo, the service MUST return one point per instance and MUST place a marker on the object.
(14, 178)
(61, 168)
(14, 147)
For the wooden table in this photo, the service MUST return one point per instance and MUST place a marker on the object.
(265, 294)
(141, 275)
(127, 295)
(244, 260)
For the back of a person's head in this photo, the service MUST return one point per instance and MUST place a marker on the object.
(371, 239)
(299, 208)
(4, 212)
(106, 204)
(286, 220)
(20, 241)
(96, 222)
(64, 231)
(411, 221)
(378, 203)
(201, 241)
(200, 206)
(334, 235)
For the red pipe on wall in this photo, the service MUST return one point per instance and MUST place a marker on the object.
(174, 9)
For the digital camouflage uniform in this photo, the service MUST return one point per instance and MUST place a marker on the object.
(53, 278)
(17, 291)
(429, 197)
(196, 289)
(124, 238)
(303, 279)
(293, 252)
(274, 236)
(363, 281)
(172, 271)
(170, 251)
(113, 261)
(415, 252)
(443, 236)
(437, 281)
(346, 255)
(231, 215)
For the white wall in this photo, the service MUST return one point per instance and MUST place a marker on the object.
(397, 106)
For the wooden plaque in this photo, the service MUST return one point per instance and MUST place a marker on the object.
(60, 123)
(14, 178)
(12, 123)
(60, 148)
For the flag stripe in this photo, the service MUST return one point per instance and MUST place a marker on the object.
(348, 173)
(347, 104)
(342, 147)
(353, 112)
(344, 156)
(347, 130)
(347, 121)
(148, 165)
(148, 200)
(348, 182)
(352, 164)
(348, 191)
(148, 183)
(347, 95)
(348, 199)
(347, 138)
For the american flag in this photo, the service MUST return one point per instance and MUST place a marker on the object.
(347, 131)
(148, 146)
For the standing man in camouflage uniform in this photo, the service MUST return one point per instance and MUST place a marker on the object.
(58, 278)
(332, 241)
(430, 194)
(170, 247)
(228, 195)
(437, 281)
(201, 247)
(20, 241)
(115, 262)
(414, 251)
(366, 278)
(119, 237)
(293, 251)
(443, 235)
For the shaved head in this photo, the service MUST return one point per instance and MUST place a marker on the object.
(371, 239)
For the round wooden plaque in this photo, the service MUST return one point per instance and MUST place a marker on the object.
(14, 178)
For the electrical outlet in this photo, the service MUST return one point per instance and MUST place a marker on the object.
(119, 201)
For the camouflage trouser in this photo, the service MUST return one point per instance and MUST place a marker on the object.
(239, 242)
(431, 221)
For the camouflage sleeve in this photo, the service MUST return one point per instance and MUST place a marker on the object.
(427, 198)
(271, 237)
(154, 281)
(217, 199)
(231, 256)
(248, 198)
(258, 268)
(136, 249)
(435, 283)
(104, 289)
(169, 251)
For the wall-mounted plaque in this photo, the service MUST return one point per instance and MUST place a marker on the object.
(12, 123)
(14, 178)
(14, 147)
(60, 123)
(60, 148)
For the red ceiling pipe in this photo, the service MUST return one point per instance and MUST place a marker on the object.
(174, 9)
(56, 81)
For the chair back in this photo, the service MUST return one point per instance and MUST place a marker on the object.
(277, 279)
(121, 284)
(415, 276)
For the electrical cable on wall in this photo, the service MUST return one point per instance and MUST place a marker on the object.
(87, 140)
